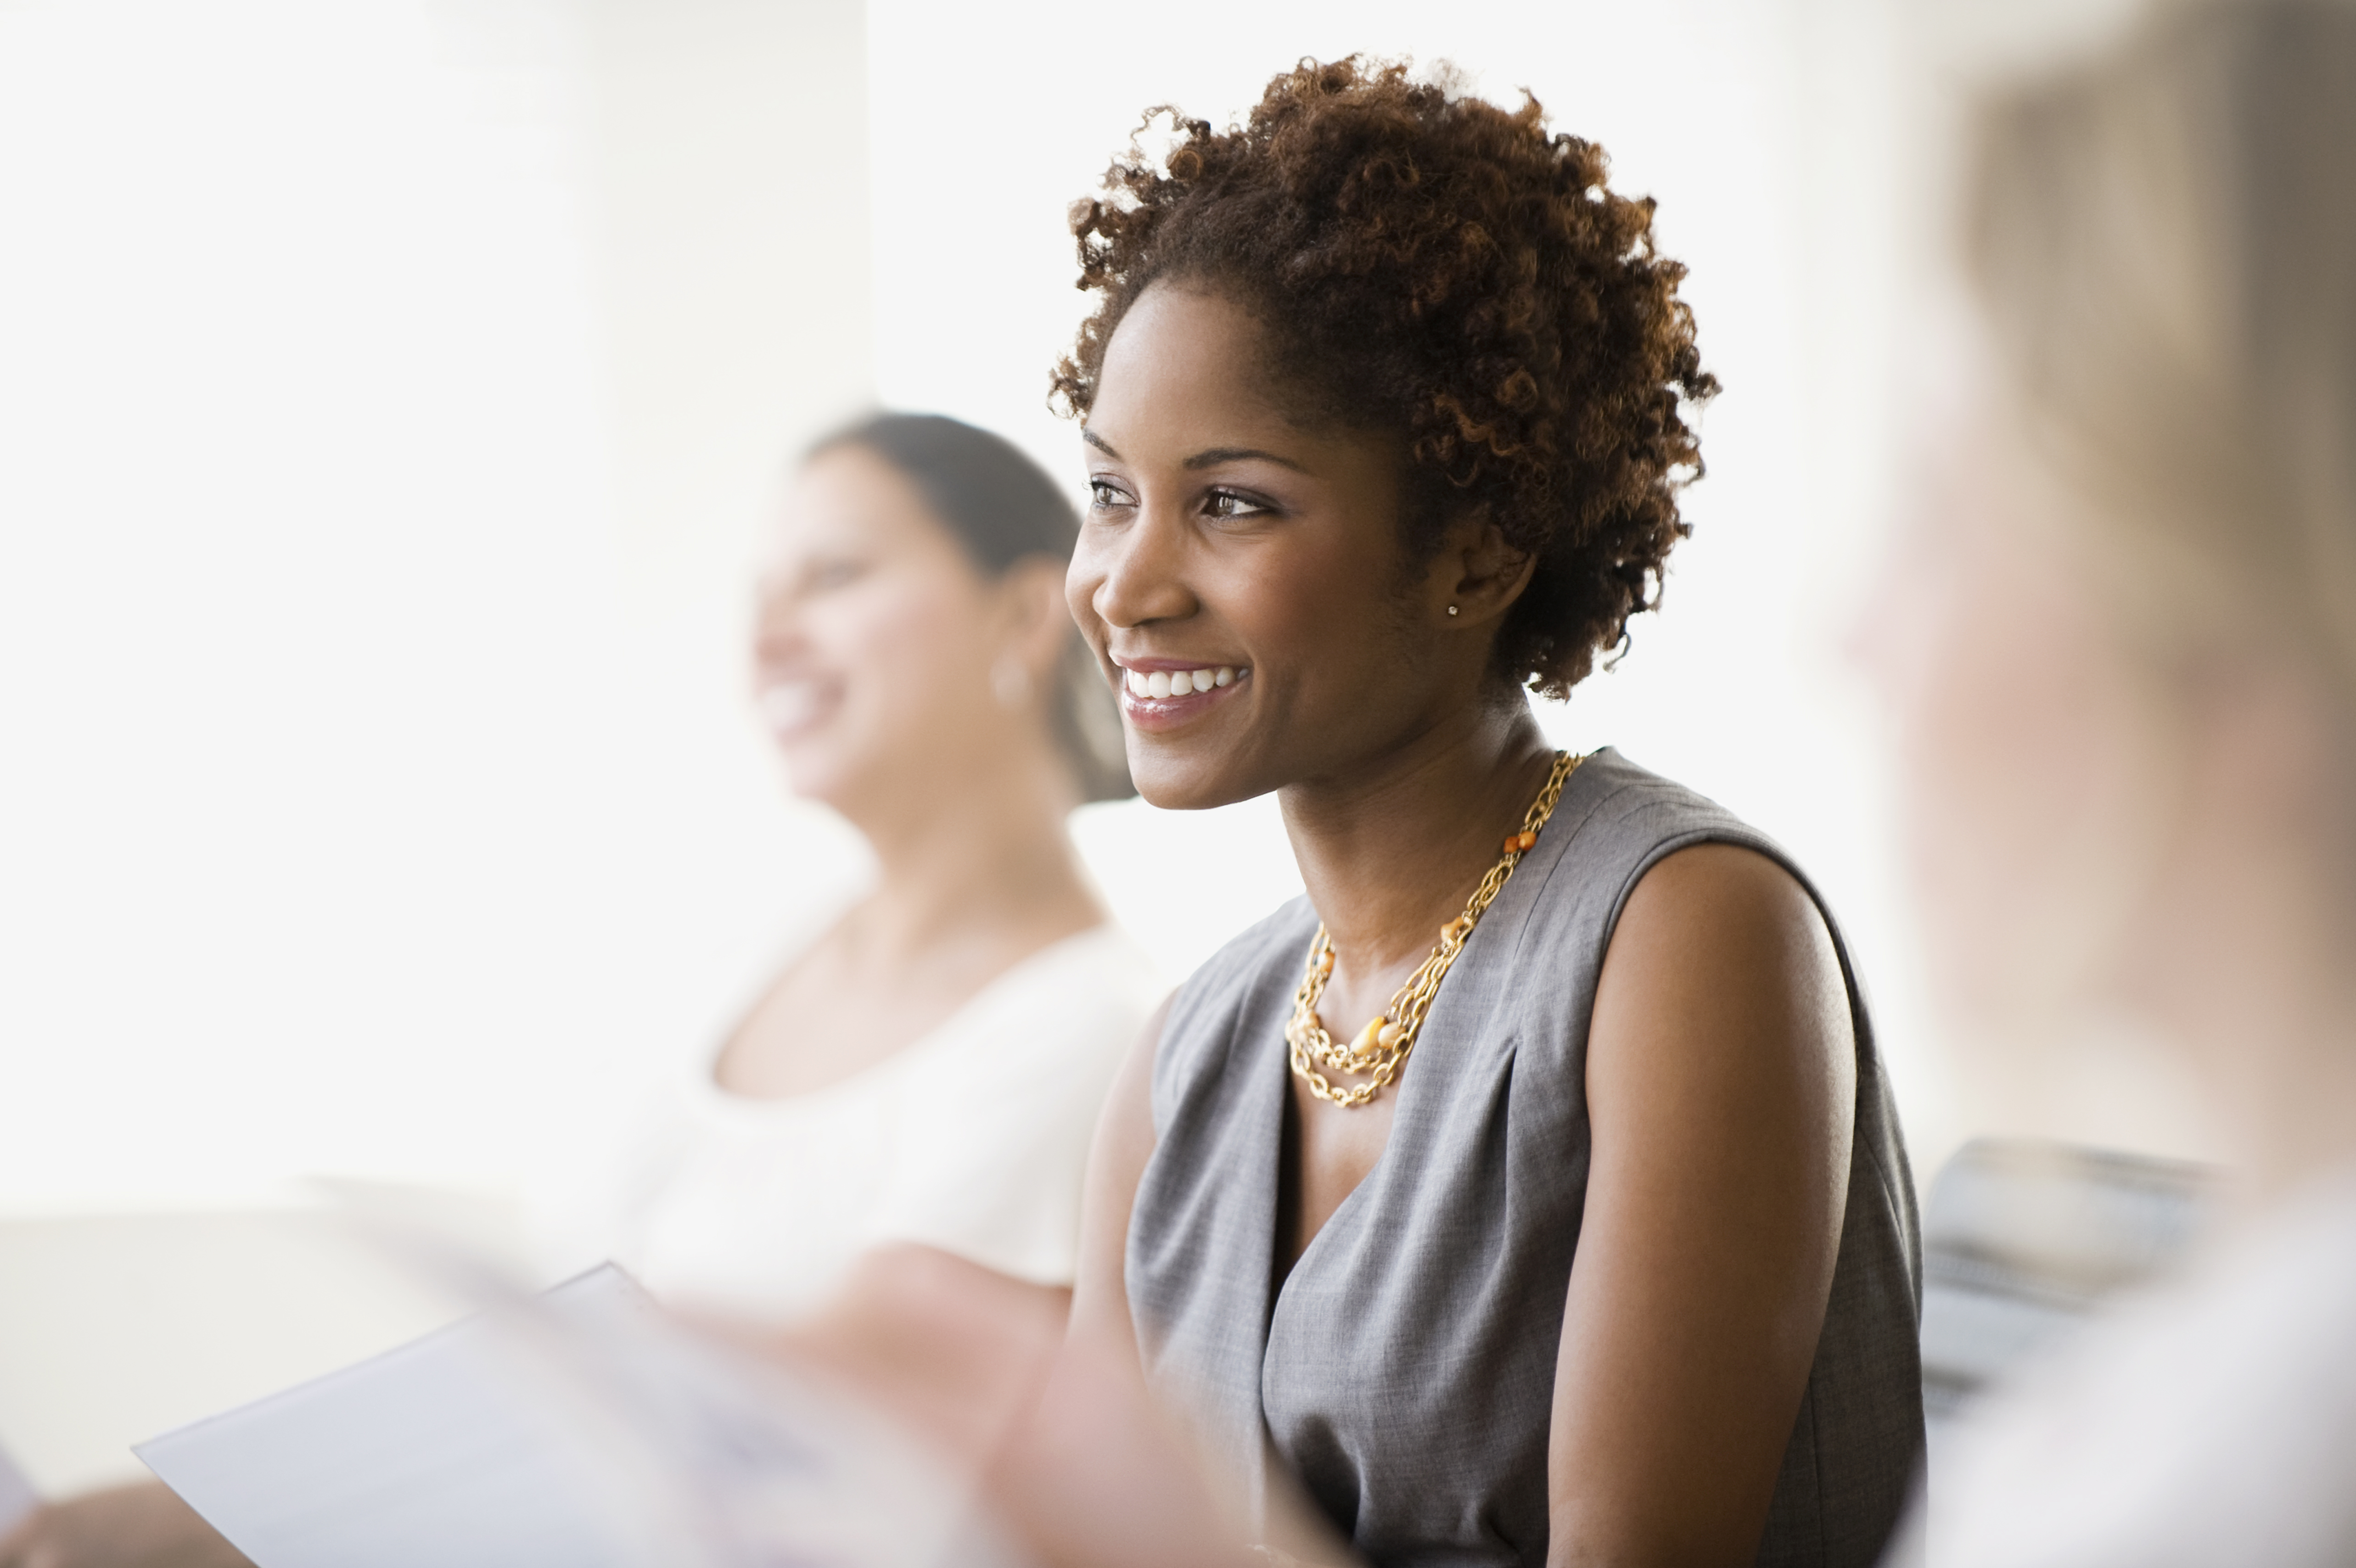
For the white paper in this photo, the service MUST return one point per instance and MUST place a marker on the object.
(18, 1497)
(433, 1453)
(584, 1431)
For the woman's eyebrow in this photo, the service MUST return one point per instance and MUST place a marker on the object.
(1219, 454)
(1209, 459)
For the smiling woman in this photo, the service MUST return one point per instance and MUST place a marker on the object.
(1382, 402)
(930, 1069)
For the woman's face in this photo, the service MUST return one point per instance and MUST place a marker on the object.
(1222, 537)
(2038, 756)
(875, 636)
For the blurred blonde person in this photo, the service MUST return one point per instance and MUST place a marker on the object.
(2122, 649)
(930, 1069)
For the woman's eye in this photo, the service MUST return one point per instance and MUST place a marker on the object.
(1224, 503)
(829, 575)
(1105, 496)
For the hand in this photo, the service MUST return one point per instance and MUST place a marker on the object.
(141, 1525)
(1061, 1436)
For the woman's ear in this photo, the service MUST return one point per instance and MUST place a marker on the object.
(1478, 574)
(1036, 620)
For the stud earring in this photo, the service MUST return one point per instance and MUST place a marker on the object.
(1451, 609)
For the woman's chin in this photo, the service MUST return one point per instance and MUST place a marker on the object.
(816, 775)
(868, 782)
(1184, 778)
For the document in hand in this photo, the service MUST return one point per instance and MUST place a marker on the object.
(579, 1430)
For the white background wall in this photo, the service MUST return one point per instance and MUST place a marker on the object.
(388, 392)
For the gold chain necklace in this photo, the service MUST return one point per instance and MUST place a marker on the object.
(1380, 1051)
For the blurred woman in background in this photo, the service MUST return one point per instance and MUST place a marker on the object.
(2122, 649)
(928, 1069)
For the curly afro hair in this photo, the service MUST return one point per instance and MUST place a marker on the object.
(1443, 269)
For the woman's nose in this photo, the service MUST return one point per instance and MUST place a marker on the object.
(776, 622)
(1140, 571)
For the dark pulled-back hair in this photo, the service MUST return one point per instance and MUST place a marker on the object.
(1445, 270)
(1003, 509)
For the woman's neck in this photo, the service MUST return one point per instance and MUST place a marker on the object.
(2275, 1043)
(981, 858)
(1391, 853)
(2241, 955)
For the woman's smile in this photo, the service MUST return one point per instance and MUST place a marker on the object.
(793, 705)
(1162, 695)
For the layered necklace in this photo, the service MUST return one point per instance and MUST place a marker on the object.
(1379, 1052)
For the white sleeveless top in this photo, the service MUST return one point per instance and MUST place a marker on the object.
(973, 1139)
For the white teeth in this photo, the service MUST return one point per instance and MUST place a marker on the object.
(1164, 683)
(789, 707)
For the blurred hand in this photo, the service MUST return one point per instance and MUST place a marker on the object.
(141, 1525)
(1067, 1446)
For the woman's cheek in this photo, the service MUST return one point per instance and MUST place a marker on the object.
(1312, 617)
(2029, 816)
(1082, 579)
(920, 646)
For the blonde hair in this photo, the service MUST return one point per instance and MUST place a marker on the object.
(2164, 243)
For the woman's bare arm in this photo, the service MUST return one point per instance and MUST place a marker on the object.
(1124, 1142)
(1721, 1077)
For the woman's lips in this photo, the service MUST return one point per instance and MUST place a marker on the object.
(791, 707)
(1165, 697)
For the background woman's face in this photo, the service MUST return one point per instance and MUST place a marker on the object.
(876, 634)
(2037, 754)
(1221, 534)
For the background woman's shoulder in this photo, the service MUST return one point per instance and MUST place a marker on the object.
(1085, 996)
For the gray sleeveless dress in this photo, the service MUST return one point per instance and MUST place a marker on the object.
(1405, 1372)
